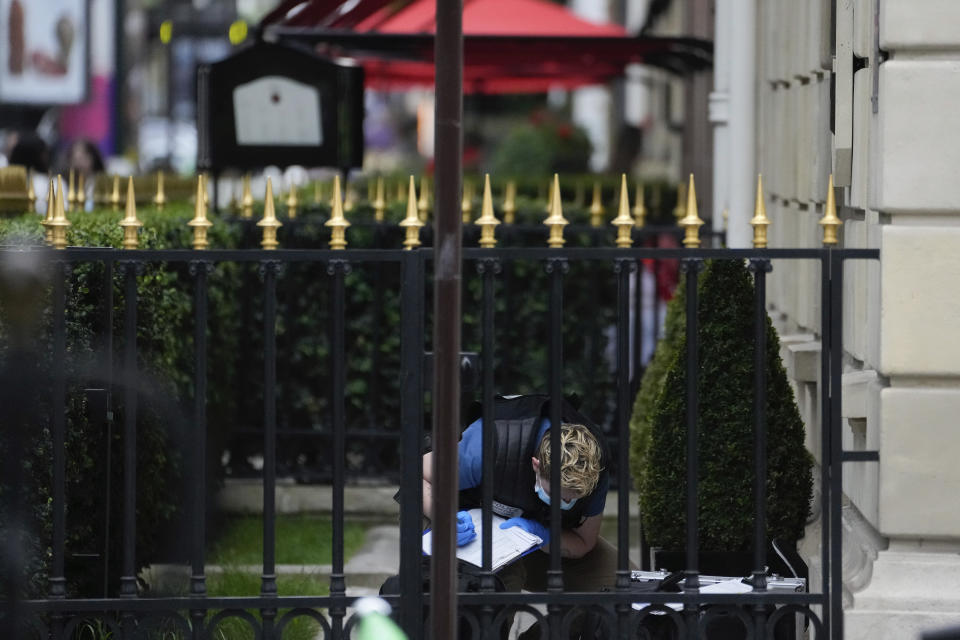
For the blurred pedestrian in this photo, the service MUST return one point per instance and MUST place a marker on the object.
(30, 151)
(85, 159)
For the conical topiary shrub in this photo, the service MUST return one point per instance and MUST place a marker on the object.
(725, 315)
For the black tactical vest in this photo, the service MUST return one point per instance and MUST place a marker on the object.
(517, 421)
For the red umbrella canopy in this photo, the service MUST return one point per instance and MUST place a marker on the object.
(510, 46)
(492, 18)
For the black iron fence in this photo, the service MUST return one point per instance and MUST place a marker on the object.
(197, 615)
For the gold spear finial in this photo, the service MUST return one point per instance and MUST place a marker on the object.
(830, 222)
(130, 223)
(379, 203)
(51, 208)
(59, 223)
(624, 221)
(71, 192)
(160, 198)
(556, 222)
(467, 205)
(412, 221)
(115, 194)
(81, 192)
(549, 206)
(423, 204)
(760, 221)
(206, 192)
(246, 199)
(338, 222)
(510, 203)
(350, 197)
(596, 207)
(31, 194)
(639, 209)
(691, 222)
(199, 222)
(269, 221)
(488, 221)
(293, 202)
(680, 211)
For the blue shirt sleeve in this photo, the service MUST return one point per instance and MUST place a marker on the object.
(470, 452)
(598, 499)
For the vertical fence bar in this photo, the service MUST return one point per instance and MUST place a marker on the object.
(836, 442)
(108, 386)
(691, 267)
(338, 269)
(57, 579)
(128, 579)
(623, 267)
(826, 539)
(760, 269)
(268, 586)
(198, 582)
(412, 301)
(555, 267)
(488, 267)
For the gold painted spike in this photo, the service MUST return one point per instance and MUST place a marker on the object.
(639, 209)
(71, 191)
(130, 223)
(81, 192)
(159, 198)
(412, 221)
(293, 202)
(680, 211)
(59, 223)
(115, 194)
(510, 203)
(467, 205)
(556, 222)
(379, 203)
(206, 192)
(338, 222)
(31, 194)
(199, 222)
(624, 221)
(269, 221)
(596, 207)
(423, 204)
(830, 222)
(246, 199)
(691, 222)
(488, 221)
(726, 218)
(51, 208)
(760, 221)
(549, 205)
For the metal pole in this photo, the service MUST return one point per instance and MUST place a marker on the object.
(825, 496)
(268, 586)
(624, 268)
(448, 56)
(760, 269)
(691, 266)
(338, 587)
(836, 443)
(555, 269)
(198, 581)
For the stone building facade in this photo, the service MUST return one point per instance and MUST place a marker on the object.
(868, 90)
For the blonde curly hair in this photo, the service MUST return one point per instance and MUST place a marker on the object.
(580, 458)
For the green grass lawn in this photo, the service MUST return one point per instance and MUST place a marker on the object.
(301, 539)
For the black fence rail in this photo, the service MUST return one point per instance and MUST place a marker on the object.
(267, 614)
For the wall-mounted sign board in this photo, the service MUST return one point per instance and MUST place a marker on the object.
(273, 104)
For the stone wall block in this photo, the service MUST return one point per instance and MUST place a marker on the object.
(862, 83)
(919, 149)
(919, 308)
(919, 24)
(919, 474)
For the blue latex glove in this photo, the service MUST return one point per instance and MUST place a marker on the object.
(465, 531)
(530, 526)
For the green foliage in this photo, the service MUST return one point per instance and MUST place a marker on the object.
(301, 539)
(725, 427)
(546, 145)
(651, 384)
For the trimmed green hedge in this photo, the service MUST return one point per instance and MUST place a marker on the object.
(725, 427)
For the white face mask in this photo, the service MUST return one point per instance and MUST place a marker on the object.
(565, 505)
